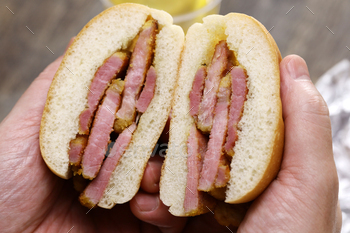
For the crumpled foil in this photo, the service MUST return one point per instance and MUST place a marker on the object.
(334, 86)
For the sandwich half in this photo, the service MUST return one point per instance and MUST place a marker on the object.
(226, 131)
(117, 78)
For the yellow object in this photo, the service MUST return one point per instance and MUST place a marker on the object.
(174, 8)
(185, 12)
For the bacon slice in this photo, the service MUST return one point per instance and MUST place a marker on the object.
(77, 147)
(196, 146)
(102, 127)
(112, 66)
(94, 192)
(139, 64)
(223, 174)
(148, 91)
(197, 90)
(215, 73)
(239, 92)
(214, 154)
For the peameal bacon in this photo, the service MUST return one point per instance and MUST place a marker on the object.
(76, 151)
(94, 191)
(130, 98)
(214, 153)
(101, 129)
(112, 66)
(195, 201)
(197, 90)
(147, 91)
(216, 71)
(140, 62)
(239, 93)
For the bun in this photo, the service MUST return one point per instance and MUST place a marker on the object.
(112, 30)
(258, 150)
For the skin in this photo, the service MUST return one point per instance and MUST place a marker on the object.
(303, 198)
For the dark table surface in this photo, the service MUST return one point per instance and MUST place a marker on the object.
(317, 30)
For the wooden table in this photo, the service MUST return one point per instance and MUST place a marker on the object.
(34, 33)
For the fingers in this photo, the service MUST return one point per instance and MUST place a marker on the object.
(151, 176)
(149, 208)
(307, 125)
(206, 223)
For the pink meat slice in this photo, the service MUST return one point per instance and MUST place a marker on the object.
(239, 92)
(101, 129)
(112, 66)
(197, 90)
(77, 147)
(223, 175)
(148, 91)
(214, 153)
(196, 146)
(215, 72)
(139, 64)
(94, 191)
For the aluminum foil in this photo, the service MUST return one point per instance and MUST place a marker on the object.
(334, 86)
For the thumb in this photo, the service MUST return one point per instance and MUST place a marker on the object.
(308, 138)
(308, 166)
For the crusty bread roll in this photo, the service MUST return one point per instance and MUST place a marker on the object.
(112, 30)
(258, 150)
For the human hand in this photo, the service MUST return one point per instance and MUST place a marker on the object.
(304, 196)
(33, 199)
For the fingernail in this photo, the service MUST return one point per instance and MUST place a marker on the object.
(147, 202)
(297, 68)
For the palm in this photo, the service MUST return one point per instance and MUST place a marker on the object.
(33, 196)
(304, 195)
(287, 199)
(276, 204)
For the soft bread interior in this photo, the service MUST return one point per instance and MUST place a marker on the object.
(108, 32)
(199, 48)
(126, 178)
(259, 147)
(258, 150)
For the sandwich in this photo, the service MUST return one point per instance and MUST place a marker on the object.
(110, 100)
(226, 131)
(128, 70)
